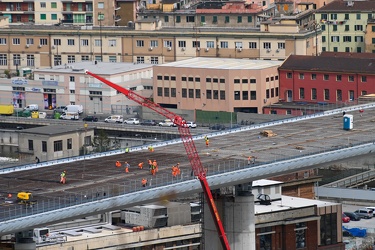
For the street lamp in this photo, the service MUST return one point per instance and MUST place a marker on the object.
(316, 26)
(100, 19)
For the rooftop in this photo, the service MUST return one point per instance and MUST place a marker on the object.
(56, 129)
(348, 6)
(330, 64)
(222, 63)
(101, 68)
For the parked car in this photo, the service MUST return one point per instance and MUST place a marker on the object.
(353, 216)
(166, 123)
(218, 127)
(90, 118)
(133, 121)
(149, 123)
(114, 118)
(364, 213)
(345, 219)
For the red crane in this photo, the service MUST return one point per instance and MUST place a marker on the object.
(189, 145)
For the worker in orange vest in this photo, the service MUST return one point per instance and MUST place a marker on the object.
(140, 165)
(207, 141)
(178, 169)
(144, 182)
(118, 164)
(127, 166)
(156, 165)
(174, 171)
(153, 169)
(149, 164)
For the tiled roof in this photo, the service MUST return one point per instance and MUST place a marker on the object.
(348, 54)
(329, 64)
(343, 6)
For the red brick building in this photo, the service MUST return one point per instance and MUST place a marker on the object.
(329, 78)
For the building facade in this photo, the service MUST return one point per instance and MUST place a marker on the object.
(329, 78)
(344, 25)
(214, 84)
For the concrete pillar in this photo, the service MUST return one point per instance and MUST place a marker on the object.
(24, 241)
(237, 215)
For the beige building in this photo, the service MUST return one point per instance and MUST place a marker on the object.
(217, 84)
(55, 141)
(68, 84)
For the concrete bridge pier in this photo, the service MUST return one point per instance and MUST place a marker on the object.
(238, 217)
(24, 241)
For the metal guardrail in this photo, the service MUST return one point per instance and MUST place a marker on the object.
(354, 180)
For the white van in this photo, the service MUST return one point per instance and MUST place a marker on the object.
(74, 109)
(32, 107)
(70, 116)
(114, 119)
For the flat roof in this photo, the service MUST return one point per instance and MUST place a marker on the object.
(222, 63)
(101, 68)
(56, 129)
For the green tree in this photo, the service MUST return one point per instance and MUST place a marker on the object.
(101, 142)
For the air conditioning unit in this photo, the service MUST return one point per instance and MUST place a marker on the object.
(183, 48)
(198, 49)
(239, 49)
(151, 48)
(265, 100)
(268, 50)
(27, 45)
(53, 47)
(169, 48)
(277, 50)
(207, 49)
(39, 46)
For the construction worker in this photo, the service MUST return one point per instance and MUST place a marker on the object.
(140, 165)
(249, 160)
(127, 150)
(9, 195)
(127, 166)
(174, 171)
(118, 164)
(144, 182)
(37, 160)
(178, 169)
(149, 164)
(63, 177)
(155, 165)
(153, 169)
(206, 140)
(151, 148)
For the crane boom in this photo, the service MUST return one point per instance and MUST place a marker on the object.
(189, 145)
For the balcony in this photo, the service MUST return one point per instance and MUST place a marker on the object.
(117, 8)
(117, 18)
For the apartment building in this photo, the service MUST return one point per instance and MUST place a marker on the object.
(49, 12)
(329, 78)
(344, 25)
(217, 84)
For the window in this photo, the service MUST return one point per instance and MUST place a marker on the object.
(222, 94)
(184, 93)
(280, 45)
(197, 93)
(196, 44)
(43, 16)
(98, 42)
(72, 91)
(167, 43)
(351, 95)
(190, 19)
(183, 78)
(203, 19)
(71, 42)
(197, 79)
(239, 19)
(210, 44)
(313, 76)
(190, 79)
(335, 38)
(289, 75)
(364, 92)
(266, 45)
(338, 78)
(373, 28)
(31, 145)
(182, 44)
(71, 58)
(166, 19)
(16, 59)
(351, 78)
(265, 238)
(154, 43)
(358, 38)
(57, 42)
(333, 16)
(166, 78)
(208, 94)
(160, 91)
(326, 94)
(173, 92)
(44, 146)
(154, 60)
(166, 92)
(313, 94)
(236, 81)
(53, 5)
(252, 45)
(140, 43)
(328, 229)
(28, 41)
(339, 95)
(358, 16)
(112, 43)
(249, 19)
(325, 77)
(214, 19)
(238, 45)
(347, 49)
(3, 59)
(84, 58)
(57, 146)
(346, 27)
(347, 38)
(363, 78)
(358, 27)
(101, 5)
(324, 16)
(359, 49)
(301, 93)
(43, 5)
(71, 79)
(300, 235)
(30, 60)
(191, 93)
(224, 45)
(43, 41)
(53, 16)
(87, 140)
(69, 143)
(16, 41)
(227, 19)
(245, 95)
(346, 16)
(222, 80)
(178, 19)
(237, 95)
(140, 59)
(85, 42)
(301, 76)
